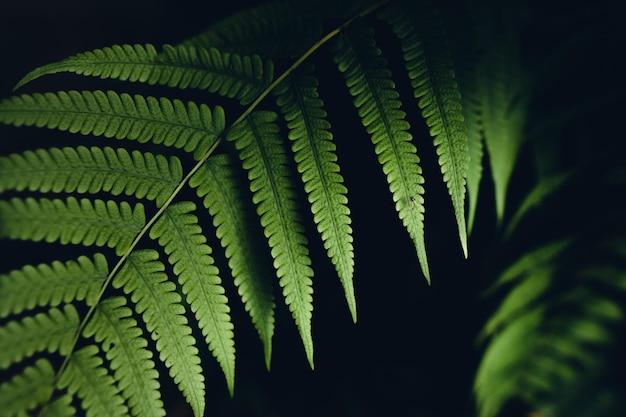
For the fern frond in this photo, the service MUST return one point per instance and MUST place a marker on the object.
(233, 76)
(475, 145)
(500, 359)
(429, 65)
(316, 160)
(179, 233)
(74, 221)
(501, 84)
(265, 160)
(169, 122)
(51, 285)
(549, 337)
(532, 261)
(52, 331)
(278, 29)
(28, 389)
(86, 377)
(91, 170)
(544, 188)
(161, 308)
(113, 327)
(218, 184)
(376, 99)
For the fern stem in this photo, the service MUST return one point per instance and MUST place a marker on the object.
(197, 166)
(305, 56)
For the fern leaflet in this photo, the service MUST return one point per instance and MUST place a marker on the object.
(229, 75)
(159, 304)
(92, 170)
(262, 155)
(113, 327)
(549, 337)
(27, 390)
(500, 94)
(53, 332)
(73, 221)
(51, 285)
(315, 155)
(170, 122)
(429, 67)
(86, 377)
(181, 237)
(217, 182)
(376, 99)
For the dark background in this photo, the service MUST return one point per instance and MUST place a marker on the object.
(413, 350)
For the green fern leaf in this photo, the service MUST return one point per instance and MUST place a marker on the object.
(263, 157)
(28, 389)
(86, 377)
(53, 332)
(520, 299)
(73, 221)
(217, 181)
(60, 407)
(278, 29)
(121, 339)
(494, 382)
(501, 82)
(315, 155)
(427, 56)
(173, 123)
(92, 170)
(532, 261)
(159, 304)
(464, 28)
(549, 336)
(475, 141)
(229, 75)
(51, 285)
(543, 189)
(376, 99)
(180, 235)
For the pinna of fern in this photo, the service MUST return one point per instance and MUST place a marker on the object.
(198, 130)
(548, 341)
